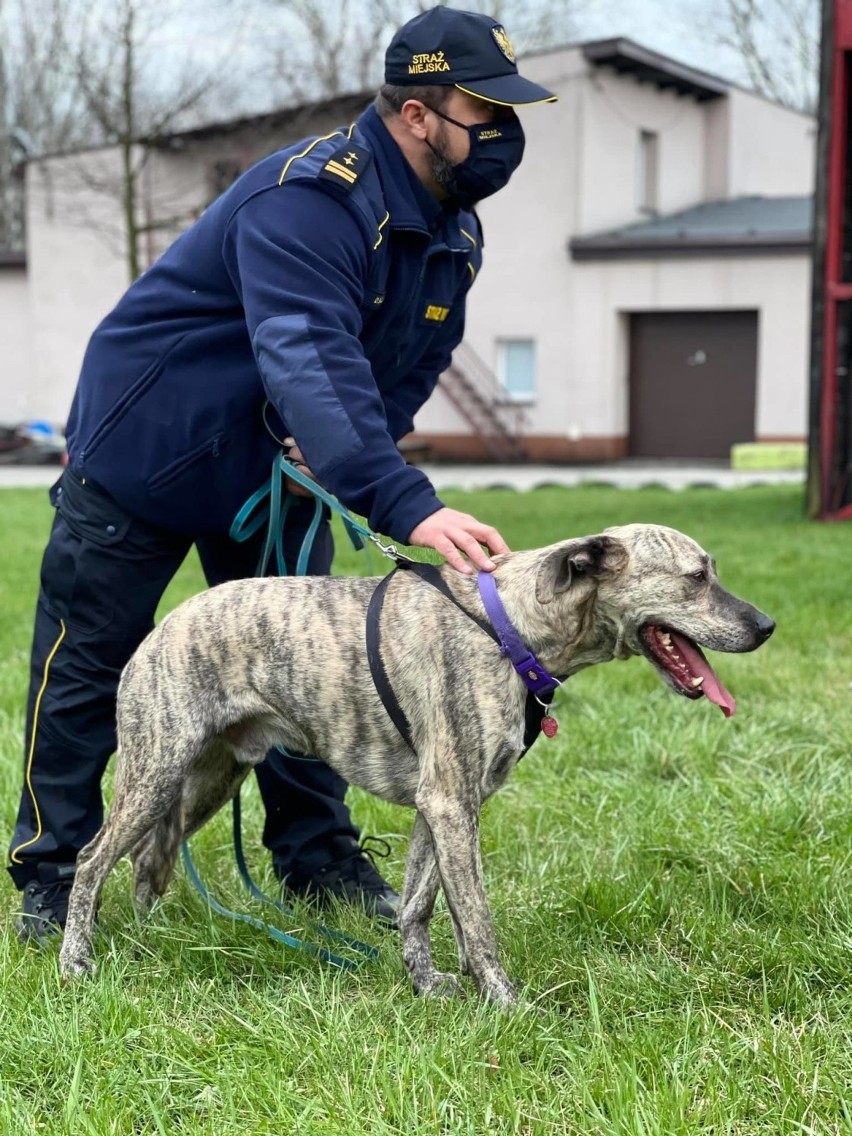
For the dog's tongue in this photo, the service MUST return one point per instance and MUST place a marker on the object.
(711, 686)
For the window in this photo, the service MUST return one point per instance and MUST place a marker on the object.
(646, 181)
(516, 367)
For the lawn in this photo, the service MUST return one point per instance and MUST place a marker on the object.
(671, 890)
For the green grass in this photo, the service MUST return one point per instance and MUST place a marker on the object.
(671, 889)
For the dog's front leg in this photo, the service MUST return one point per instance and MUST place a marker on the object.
(418, 901)
(454, 825)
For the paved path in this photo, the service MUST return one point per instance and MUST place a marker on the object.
(27, 476)
(623, 475)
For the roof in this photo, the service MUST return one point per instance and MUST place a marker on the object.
(646, 66)
(293, 117)
(738, 226)
(286, 119)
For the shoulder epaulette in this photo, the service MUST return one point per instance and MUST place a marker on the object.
(346, 165)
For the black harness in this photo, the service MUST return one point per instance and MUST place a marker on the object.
(536, 706)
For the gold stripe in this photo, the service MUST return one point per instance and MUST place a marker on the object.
(381, 234)
(469, 237)
(307, 150)
(20, 848)
(341, 171)
(497, 102)
(472, 270)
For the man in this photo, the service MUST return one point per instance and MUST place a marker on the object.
(313, 306)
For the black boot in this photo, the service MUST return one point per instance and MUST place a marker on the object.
(350, 878)
(44, 910)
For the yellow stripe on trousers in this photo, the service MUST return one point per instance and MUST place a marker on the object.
(21, 847)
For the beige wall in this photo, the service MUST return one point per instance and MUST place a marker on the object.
(15, 356)
(615, 111)
(76, 268)
(770, 149)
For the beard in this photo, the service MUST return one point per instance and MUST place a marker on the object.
(440, 166)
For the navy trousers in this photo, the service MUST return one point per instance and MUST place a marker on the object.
(102, 577)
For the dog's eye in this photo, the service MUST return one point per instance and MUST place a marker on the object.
(699, 577)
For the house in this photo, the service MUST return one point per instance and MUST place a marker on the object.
(647, 271)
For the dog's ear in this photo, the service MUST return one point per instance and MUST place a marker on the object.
(590, 556)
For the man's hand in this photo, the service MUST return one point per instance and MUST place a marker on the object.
(295, 454)
(449, 531)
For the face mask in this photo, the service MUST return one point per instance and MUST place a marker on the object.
(496, 149)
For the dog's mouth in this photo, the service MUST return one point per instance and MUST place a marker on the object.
(683, 665)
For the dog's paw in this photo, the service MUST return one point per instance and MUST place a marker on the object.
(439, 985)
(502, 995)
(75, 964)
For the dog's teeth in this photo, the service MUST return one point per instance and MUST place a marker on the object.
(698, 681)
(666, 639)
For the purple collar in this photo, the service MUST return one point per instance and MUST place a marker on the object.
(523, 660)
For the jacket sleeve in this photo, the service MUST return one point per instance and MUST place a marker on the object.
(298, 259)
(403, 402)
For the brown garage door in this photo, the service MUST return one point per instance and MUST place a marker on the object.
(693, 377)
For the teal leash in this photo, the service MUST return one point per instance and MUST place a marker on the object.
(269, 507)
(327, 932)
(272, 932)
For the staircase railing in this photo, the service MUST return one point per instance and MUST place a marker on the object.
(481, 399)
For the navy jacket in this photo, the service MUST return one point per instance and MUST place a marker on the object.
(326, 282)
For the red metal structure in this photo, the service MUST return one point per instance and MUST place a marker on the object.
(830, 460)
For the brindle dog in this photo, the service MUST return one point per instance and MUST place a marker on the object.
(261, 662)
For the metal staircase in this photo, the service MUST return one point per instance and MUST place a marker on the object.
(480, 398)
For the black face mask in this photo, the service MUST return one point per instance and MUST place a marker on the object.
(496, 149)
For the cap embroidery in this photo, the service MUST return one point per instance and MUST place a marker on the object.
(503, 42)
(426, 62)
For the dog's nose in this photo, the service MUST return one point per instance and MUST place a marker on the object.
(764, 626)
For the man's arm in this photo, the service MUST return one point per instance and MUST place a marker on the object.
(298, 259)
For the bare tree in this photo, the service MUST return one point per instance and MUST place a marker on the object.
(39, 108)
(120, 76)
(129, 113)
(777, 44)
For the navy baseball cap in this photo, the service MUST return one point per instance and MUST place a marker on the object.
(445, 47)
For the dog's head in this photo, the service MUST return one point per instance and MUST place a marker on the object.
(650, 590)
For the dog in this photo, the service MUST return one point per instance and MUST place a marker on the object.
(282, 661)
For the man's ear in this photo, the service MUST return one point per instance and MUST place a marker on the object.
(413, 114)
(574, 560)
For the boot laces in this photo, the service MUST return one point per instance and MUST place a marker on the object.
(363, 860)
(53, 897)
